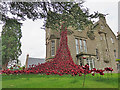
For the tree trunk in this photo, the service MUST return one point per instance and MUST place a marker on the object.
(4, 66)
(84, 81)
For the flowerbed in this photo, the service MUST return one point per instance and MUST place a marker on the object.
(61, 64)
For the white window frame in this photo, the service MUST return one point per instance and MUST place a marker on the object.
(81, 45)
(53, 48)
(77, 46)
(101, 38)
(102, 27)
(85, 46)
(112, 40)
(90, 61)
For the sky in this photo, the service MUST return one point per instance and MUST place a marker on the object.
(33, 37)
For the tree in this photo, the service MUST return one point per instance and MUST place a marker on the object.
(52, 12)
(11, 45)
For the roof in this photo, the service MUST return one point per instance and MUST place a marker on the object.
(35, 61)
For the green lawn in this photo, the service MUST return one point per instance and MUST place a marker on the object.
(55, 81)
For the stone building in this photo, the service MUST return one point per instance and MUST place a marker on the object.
(35, 61)
(98, 47)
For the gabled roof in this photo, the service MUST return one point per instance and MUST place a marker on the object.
(105, 24)
(35, 61)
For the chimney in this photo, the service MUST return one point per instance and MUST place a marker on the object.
(27, 61)
(102, 17)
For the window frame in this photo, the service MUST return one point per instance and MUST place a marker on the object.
(91, 61)
(53, 48)
(85, 46)
(77, 46)
(112, 40)
(81, 45)
(115, 54)
(97, 53)
(81, 62)
(102, 27)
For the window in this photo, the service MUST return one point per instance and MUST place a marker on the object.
(97, 54)
(77, 46)
(85, 47)
(115, 53)
(91, 63)
(118, 66)
(81, 45)
(101, 38)
(102, 27)
(81, 62)
(52, 48)
(112, 40)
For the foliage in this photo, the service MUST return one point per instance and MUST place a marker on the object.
(16, 67)
(11, 45)
(117, 59)
(53, 13)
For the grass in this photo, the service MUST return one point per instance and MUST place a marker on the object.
(55, 81)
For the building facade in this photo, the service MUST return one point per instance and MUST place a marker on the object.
(30, 61)
(98, 47)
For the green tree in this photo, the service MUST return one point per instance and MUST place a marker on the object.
(52, 12)
(11, 45)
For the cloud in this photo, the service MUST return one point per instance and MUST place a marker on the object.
(33, 40)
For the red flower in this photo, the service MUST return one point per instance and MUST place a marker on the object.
(84, 57)
(80, 74)
(93, 74)
(18, 66)
(61, 64)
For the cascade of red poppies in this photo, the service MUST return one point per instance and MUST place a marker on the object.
(62, 63)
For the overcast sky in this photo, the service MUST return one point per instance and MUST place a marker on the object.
(33, 37)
